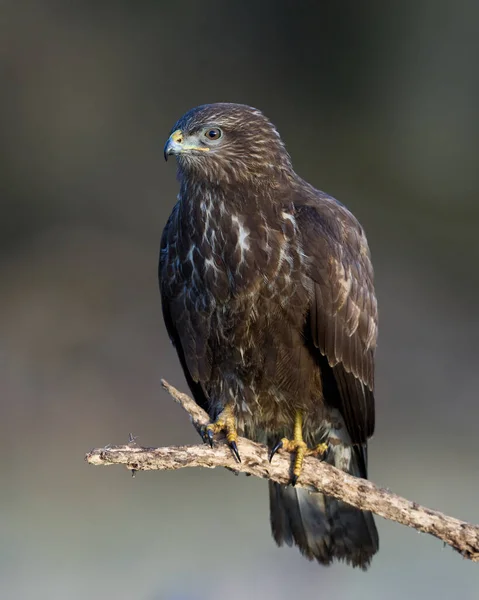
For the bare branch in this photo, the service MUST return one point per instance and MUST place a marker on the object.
(315, 476)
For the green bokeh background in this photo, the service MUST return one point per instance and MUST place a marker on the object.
(378, 105)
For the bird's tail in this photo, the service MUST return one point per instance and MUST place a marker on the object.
(322, 527)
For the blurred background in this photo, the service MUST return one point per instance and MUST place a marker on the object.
(378, 105)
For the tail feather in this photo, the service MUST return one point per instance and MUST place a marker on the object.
(322, 527)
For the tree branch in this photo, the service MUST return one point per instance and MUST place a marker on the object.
(315, 476)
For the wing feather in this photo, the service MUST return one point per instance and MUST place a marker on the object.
(177, 314)
(343, 308)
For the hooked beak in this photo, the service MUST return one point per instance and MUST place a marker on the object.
(174, 144)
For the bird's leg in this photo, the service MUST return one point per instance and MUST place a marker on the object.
(225, 422)
(298, 447)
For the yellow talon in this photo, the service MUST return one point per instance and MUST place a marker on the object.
(298, 446)
(320, 449)
(226, 422)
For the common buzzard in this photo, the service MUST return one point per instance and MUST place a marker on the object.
(268, 297)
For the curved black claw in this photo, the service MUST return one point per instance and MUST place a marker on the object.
(210, 436)
(294, 480)
(278, 446)
(207, 435)
(234, 450)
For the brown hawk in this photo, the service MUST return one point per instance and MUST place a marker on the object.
(268, 297)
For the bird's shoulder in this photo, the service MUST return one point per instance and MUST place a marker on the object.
(169, 229)
(329, 230)
(169, 250)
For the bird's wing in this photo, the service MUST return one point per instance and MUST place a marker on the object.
(177, 313)
(342, 321)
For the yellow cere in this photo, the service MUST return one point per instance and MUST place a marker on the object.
(177, 136)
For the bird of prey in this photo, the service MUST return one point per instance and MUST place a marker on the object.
(268, 297)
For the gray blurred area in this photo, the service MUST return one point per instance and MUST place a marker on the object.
(378, 105)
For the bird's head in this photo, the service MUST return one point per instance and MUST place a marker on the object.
(227, 142)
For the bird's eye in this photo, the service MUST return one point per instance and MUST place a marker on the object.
(213, 134)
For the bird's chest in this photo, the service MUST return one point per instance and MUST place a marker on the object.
(237, 293)
(234, 264)
(234, 280)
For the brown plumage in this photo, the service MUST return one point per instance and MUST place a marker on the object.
(268, 296)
